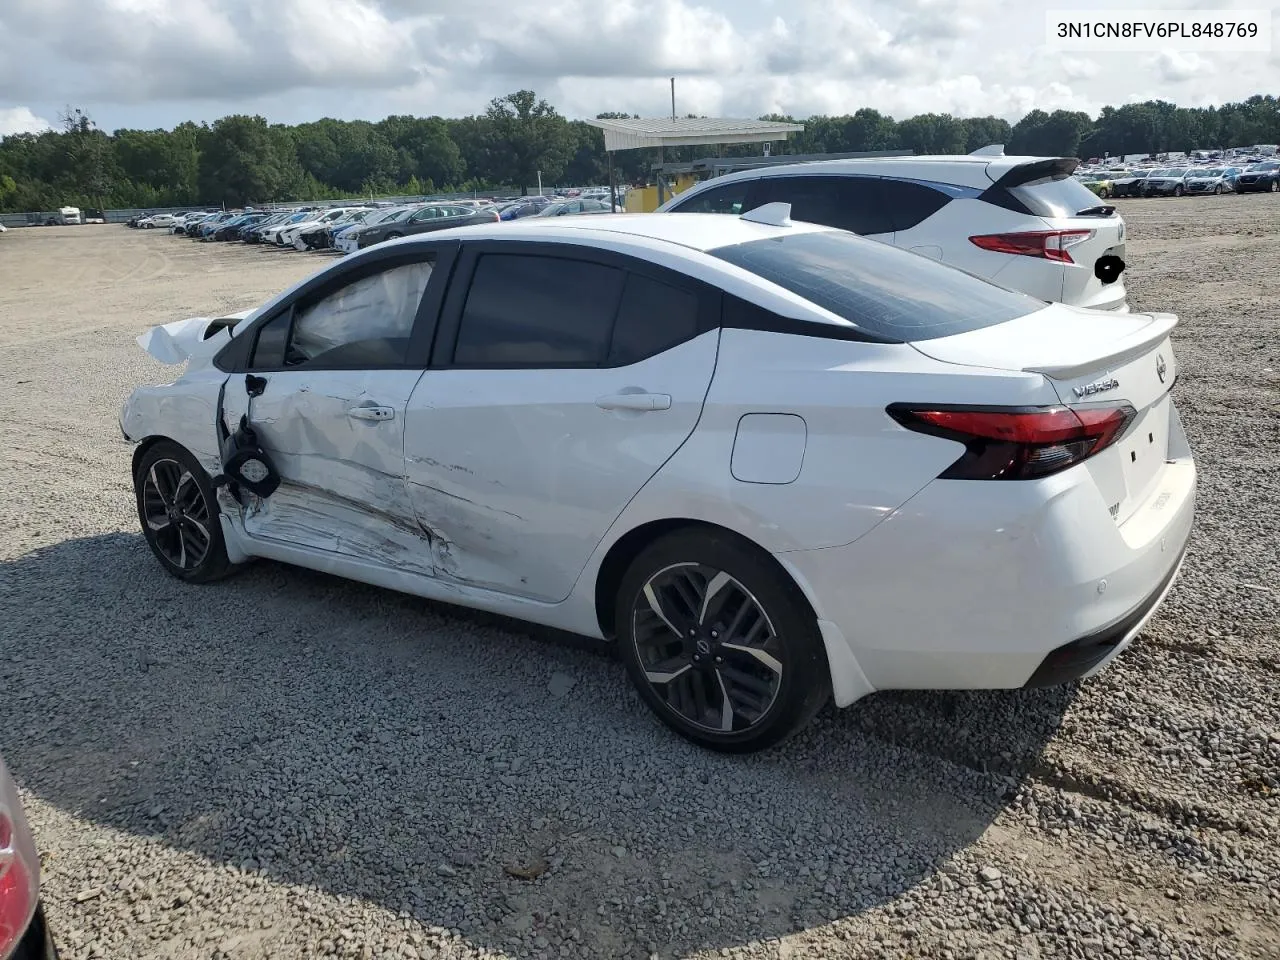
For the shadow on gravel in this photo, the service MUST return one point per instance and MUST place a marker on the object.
(427, 759)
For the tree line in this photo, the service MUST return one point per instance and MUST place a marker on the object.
(244, 159)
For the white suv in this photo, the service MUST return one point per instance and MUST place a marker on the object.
(1022, 222)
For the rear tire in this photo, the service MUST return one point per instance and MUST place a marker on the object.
(178, 512)
(719, 642)
(394, 236)
(1104, 194)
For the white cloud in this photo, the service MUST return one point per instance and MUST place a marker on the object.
(21, 120)
(154, 62)
(1175, 66)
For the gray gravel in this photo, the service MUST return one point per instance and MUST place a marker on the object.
(287, 765)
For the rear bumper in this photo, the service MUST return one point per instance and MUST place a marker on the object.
(1088, 655)
(979, 585)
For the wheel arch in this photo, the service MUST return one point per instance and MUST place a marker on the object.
(145, 444)
(626, 548)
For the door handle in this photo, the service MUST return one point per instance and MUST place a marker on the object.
(371, 413)
(635, 401)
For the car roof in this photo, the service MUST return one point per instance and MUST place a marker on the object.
(695, 231)
(962, 170)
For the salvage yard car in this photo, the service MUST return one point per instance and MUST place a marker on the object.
(1264, 176)
(1212, 180)
(1023, 222)
(24, 933)
(1169, 182)
(774, 462)
(425, 219)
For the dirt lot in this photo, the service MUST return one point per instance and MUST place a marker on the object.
(286, 765)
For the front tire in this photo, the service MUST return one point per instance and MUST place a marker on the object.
(719, 641)
(1177, 191)
(1217, 189)
(179, 514)
(1275, 186)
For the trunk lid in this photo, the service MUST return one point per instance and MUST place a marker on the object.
(1090, 359)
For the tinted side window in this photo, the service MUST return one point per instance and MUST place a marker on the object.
(535, 311)
(846, 203)
(729, 198)
(910, 204)
(654, 316)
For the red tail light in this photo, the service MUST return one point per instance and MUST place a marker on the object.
(1046, 244)
(16, 900)
(1017, 443)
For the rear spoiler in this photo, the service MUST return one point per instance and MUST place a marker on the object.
(1122, 351)
(1054, 168)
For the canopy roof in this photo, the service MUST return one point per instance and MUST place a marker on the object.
(634, 134)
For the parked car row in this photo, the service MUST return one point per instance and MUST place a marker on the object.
(354, 227)
(1177, 181)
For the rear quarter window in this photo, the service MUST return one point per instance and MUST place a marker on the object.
(887, 293)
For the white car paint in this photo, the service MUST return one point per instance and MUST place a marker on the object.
(160, 220)
(944, 235)
(505, 490)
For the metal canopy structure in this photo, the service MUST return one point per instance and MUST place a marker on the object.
(691, 131)
(637, 134)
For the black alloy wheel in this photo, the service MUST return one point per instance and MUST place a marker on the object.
(719, 641)
(179, 514)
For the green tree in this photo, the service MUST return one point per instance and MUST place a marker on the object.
(240, 163)
(526, 137)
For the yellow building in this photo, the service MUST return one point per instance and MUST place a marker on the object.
(645, 199)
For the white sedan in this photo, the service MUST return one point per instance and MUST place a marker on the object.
(159, 220)
(775, 463)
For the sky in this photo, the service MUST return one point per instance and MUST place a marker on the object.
(155, 63)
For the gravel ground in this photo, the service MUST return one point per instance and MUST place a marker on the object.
(287, 765)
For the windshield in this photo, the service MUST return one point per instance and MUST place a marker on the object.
(887, 293)
(1264, 166)
(1176, 172)
(1214, 172)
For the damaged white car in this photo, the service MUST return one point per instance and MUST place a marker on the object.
(777, 463)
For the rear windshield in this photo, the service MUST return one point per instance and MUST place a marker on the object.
(886, 292)
(1063, 197)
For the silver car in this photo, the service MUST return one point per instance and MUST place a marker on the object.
(1170, 182)
(1212, 180)
(24, 935)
